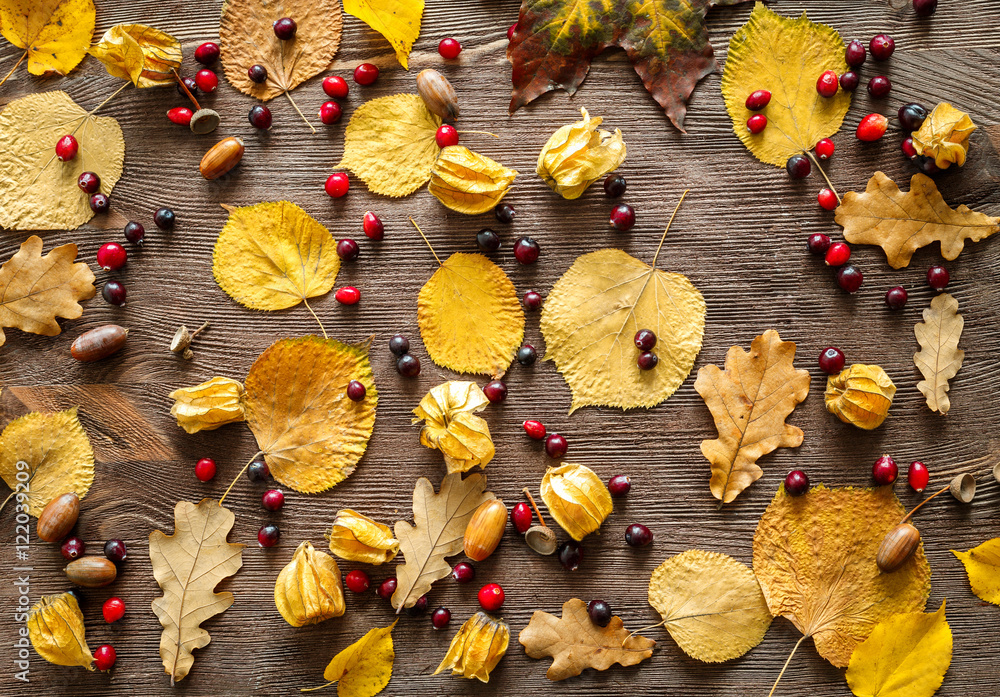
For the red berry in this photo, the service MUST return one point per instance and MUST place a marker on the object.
(896, 298)
(73, 548)
(206, 80)
(907, 147)
(644, 340)
(356, 390)
(555, 445)
(526, 250)
(827, 84)
(207, 53)
(818, 243)
(521, 517)
(440, 618)
(827, 199)
(831, 360)
(879, 86)
(872, 127)
(99, 203)
(849, 278)
(938, 277)
(366, 74)
(257, 73)
(838, 254)
(285, 28)
(330, 112)
(491, 597)
(619, 485)
(348, 250)
(373, 227)
(849, 81)
(89, 182)
(104, 657)
(273, 499)
(824, 149)
(418, 608)
(357, 581)
(622, 217)
(756, 123)
(885, 470)
(113, 610)
(446, 135)
(113, 292)
(647, 360)
(337, 185)
(260, 117)
(180, 115)
(268, 535)
(66, 148)
(495, 391)
(449, 49)
(798, 166)
(348, 295)
(758, 100)
(387, 587)
(511, 30)
(534, 429)
(638, 535)
(532, 300)
(115, 550)
(881, 47)
(111, 256)
(464, 572)
(204, 469)
(918, 476)
(796, 483)
(336, 87)
(855, 54)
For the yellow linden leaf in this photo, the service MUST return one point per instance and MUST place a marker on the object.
(309, 589)
(906, 655)
(364, 668)
(311, 433)
(390, 144)
(469, 316)
(144, 55)
(594, 310)
(576, 497)
(271, 256)
(451, 425)
(578, 154)
(396, 20)
(710, 603)
(982, 563)
(51, 451)
(55, 627)
(37, 191)
(944, 135)
(477, 648)
(55, 34)
(784, 56)
(358, 538)
(468, 182)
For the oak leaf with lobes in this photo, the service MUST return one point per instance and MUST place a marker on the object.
(55, 34)
(939, 357)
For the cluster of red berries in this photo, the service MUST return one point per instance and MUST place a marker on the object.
(622, 215)
(272, 500)
(407, 364)
(491, 595)
(837, 254)
(885, 471)
(205, 80)
(112, 256)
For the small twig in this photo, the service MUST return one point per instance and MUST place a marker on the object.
(2, 505)
(197, 106)
(484, 133)
(245, 467)
(828, 182)
(532, 500)
(19, 60)
(785, 667)
(425, 239)
(321, 327)
(199, 330)
(664, 237)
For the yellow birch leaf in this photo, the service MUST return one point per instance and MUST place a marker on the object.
(364, 668)
(55, 627)
(784, 56)
(906, 655)
(55, 34)
(208, 406)
(390, 144)
(187, 566)
(594, 310)
(944, 135)
(311, 433)
(578, 154)
(56, 454)
(860, 395)
(814, 556)
(710, 603)
(309, 590)
(469, 316)
(982, 564)
(477, 648)
(272, 256)
(37, 191)
(451, 425)
(577, 498)
(143, 55)
(750, 401)
(358, 538)
(939, 358)
(467, 182)
(396, 20)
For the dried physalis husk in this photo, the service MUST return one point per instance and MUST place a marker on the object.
(451, 425)
(579, 154)
(209, 405)
(308, 589)
(860, 395)
(996, 472)
(963, 487)
(55, 627)
(944, 136)
(468, 182)
(360, 539)
(477, 648)
(577, 498)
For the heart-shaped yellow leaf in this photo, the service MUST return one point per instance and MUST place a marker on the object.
(55, 34)
(364, 668)
(982, 564)
(396, 20)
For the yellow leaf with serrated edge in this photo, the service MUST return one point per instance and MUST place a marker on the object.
(309, 589)
(939, 357)
(37, 191)
(906, 655)
(814, 556)
(982, 564)
(944, 135)
(208, 406)
(397, 20)
(578, 154)
(358, 538)
(55, 34)
(311, 433)
(271, 256)
(55, 627)
(594, 310)
(364, 668)
(53, 451)
(390, 144)
(576, 497)
(710, 603)
(451, 425)
(143, 55)
(477, 648)
(469, 316)
(784, 56)
(467, 182)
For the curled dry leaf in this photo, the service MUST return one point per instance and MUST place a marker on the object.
(397, 20)
(577, 498)
(208, 406)
(364, 668)
(55, 34)
(309, 589)
(467, 182)
(784, 55)
(55, 627)
(903, 223)
(814, 557)
(188, 565)
(750, 401)
(469, 316)
(451, 425)
(982, 564)
(576, 643)
(860, 395)
(578, 154)
(939, 358)
(906, 655)
(145, 56)
(477, 648)
(360, 539)
(37, 191)
(944, 135)
(56, 454)
(271, 256)
(439, 522)
(390, 144)
(710, 603)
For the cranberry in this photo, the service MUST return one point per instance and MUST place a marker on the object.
(600, 612)
(66, 148)
(872, 127)
(408, 366)
(838, 254)
(831, 360)
(285, 28)
(827, 199)
(258, 470)
(73, 548)
(555, 445)
(758, 99)
(570, 555)
(89, 182)
(818, 243)
(622, 217)
(938, 277)
(114, 293)
(881, 47)
(534, 429)
(115, 550)
(647, 360)
(879, 86)
(441, 617)
(532, 300)
(796, 483)
(337, 185)
(387, 588)
(849, 278)
(104, 657)
(885, 470)
(257, 73)
(827, 84)
(756, 123)
(464, 572)
(164, 219)
(113, 610)
(824, 149)
(111, 256)
(526, 250)
(446, 135)
(614, 185)
(99, 203)
(330, 112)
(510, 31)
(365, 74)
(268, 535)
(495, 391)
(190, 84)
(521, 517)
(356, 390)
(335, 87)
(449, 49)
(399, 345)
(134, 232)
(206, 80)
(918, 476)
(645, 340)
(855, 54)
(619, 485)
(372, 225)
(207, 53)
(924, 8)
(487, 240)
(908, 148)
(273, 499)
(526, 355)
(348, 250)
(911, 116)
(491, 597)
(896, 297)
(357, 581)
(504, 213)
(348, 295)
(926, 164)
(638, 535)
(849, 81)
(798, 167)
(204, 469)
(418, 608)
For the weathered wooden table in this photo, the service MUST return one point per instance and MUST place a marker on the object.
(740, 237)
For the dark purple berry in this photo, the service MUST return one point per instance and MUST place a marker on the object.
(356, 390)
(885, 470)
(796, 483)
(464, 572)
(348, 250)
(387, 588)
(504, 213)
(622, 217)
(924, 8)
(268, 535)
(399, 345)
(570, 555)
(798, 167)
(134, 232)
(257, 73)
(619, 485)
(849, 81)
(73, 548)
(926, 164)
(831, 360)
(532, 300)
(556, 445)
(408, 366)
(938, 277)
(614, 185)
(645, 340)
(911, 116)
(881, 47)
(260, 117)
(855, 54)
(849, 278)
(258, 470)
(495, 391)
(164, 219)
(285, 28)
(418, 608)
(647, 360)
(115, 550)
(818, 243)
(526, 250)
(879, 86)
(190, 84)
(440, 618)
(896, 297)
(114, 293)
(526, 355)
(88, 182)
(638, 535)
(488, 240)
(99, 203)
(600, 612)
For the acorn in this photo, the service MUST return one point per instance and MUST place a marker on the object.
(221, 157)
(91, 572)
(438, 94)
(963, 487)
(98, 343)
(58, 517)
(898, 546)
(485, 528)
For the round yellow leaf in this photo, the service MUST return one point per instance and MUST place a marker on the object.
(982, 564)
(364, 668)
(55, 33)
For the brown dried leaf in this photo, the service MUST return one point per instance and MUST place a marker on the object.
(939, 358)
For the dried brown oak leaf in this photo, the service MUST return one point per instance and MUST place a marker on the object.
(750, 401)
(36, 289)
(903, 223)
(576, 643)
(814, 556)
(939, 357)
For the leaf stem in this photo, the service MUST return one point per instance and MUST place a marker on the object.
(313, 689)
(2, 505)
(245, 467)
(821, 171)
(19, 60)
(537, 512)
(642, 629)
(917, 507)
(296, 107)
(184, 88)
(676, 208)
(322, 328)
(785, 667)
(425, 239)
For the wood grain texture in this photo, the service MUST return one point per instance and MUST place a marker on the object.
(740, 237)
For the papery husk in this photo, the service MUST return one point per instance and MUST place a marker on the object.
(360, 539)
(208, 406)
(860, 395)
(309, 589)
(477, 648)
(468, 182)
(55, 627)
(451, 425)
(944, 136)
(577, 498)
(578, 154)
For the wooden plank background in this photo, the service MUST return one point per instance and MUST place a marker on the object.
(740, 237)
